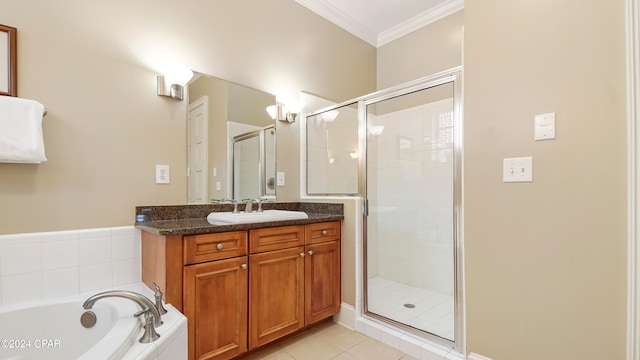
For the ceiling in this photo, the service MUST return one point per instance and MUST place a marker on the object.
(381, 21)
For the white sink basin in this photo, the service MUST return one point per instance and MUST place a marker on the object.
(255, 217)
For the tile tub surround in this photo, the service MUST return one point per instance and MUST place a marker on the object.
(192, 219)
(38, 266)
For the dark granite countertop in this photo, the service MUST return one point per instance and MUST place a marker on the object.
(192, 219)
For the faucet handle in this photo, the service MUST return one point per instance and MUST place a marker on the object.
(158, 295)
(150, 333)
(234, 202)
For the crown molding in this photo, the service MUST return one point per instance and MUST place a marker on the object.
(356, 28)
(341, 19)
(421, 20)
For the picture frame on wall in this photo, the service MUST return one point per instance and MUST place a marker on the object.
(8, 61)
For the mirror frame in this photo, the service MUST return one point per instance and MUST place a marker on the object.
(10, 53)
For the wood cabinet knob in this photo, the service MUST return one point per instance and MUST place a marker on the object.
(219, 246)
(310, 252)
(301, 254)
(244, 266)
(324, 232)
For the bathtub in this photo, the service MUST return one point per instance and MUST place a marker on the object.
(51, 330)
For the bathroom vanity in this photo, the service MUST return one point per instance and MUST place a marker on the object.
(243, 286)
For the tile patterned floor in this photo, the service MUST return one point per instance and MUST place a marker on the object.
(433, 312)
(329, 341)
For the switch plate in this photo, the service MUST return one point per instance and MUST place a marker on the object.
(517, 169)
(280, 179)
(218, 186)
(162, 174)
(545, 128)
(215, 172)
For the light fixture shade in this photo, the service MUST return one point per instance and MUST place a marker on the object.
(272, 110)
(329, 116)
(294, 106)
(376, 130)
(178, 75)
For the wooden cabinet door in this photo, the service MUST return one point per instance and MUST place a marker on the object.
(322, 281)
(215, 303)
(276, 289)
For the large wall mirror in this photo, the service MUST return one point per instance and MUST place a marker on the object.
(231, 141)
(8, 61)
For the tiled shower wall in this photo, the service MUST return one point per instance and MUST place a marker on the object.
(411, 179)
(332, 153)
(36, 266)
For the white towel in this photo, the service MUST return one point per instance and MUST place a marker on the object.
(21, 138)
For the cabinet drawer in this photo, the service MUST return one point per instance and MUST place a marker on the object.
(275, 238)
(207, 247)
(321, 232)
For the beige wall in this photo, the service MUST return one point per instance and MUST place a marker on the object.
(94, 65)
(545, 261)
(431, 49)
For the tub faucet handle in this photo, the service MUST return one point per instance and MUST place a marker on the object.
(150, 333)
(158, 295)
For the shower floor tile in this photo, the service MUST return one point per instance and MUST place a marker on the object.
(432, 312)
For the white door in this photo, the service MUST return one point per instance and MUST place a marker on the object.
(197, 154)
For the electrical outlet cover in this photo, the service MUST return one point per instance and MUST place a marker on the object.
(162, 174)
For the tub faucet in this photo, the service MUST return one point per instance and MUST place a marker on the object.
(149, 310)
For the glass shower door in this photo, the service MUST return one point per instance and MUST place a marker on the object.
(411, 196)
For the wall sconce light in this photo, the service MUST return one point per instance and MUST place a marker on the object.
(291, 110)
(288, 112)
(376, 130)
(172, 83)
(330, 115)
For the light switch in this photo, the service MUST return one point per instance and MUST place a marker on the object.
(218, 186)
(545, 128)
(517, 169)
(280, 179)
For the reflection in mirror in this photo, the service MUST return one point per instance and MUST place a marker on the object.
(254, 164)
(218, 111)
(332, 151)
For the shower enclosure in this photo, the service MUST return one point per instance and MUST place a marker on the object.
(409, 175)
(412, 192)
(254, 164)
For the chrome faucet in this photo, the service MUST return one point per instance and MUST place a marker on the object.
(249, 207)
(151, 314)
(158, 296)
(234, 202)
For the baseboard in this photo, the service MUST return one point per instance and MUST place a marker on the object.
(346, 316)
(474, 356)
